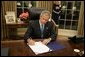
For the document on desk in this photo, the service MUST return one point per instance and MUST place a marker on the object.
(39, 48)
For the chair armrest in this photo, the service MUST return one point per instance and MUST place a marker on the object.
(55, 23)
(55, 26)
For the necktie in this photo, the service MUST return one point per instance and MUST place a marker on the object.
(42, 28)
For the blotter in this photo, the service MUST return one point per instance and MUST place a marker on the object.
(55, 46)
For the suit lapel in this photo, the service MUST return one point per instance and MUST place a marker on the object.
(39, 30)
(45, 28)
(38, 27)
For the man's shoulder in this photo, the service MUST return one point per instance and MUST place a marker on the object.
(49, 22)
(33, 22)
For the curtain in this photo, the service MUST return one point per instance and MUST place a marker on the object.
(45, 4)
(81, 20)
(6, 6)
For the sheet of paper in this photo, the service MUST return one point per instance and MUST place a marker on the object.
(39, 48)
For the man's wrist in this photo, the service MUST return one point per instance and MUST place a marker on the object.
(49, 39)
(29, 39)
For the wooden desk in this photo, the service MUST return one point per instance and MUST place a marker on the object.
(17, 25)
(23, 50)
(12, 29)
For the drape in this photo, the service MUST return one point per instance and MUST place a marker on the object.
(81, 20)
(6, 6)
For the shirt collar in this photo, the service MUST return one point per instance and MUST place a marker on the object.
(40, 23)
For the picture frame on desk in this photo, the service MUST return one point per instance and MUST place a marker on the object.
(10, 12)
(10, 17)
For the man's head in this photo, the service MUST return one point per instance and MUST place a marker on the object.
(44, 16)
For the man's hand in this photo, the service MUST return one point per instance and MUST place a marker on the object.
(46, 41)
(30, 42)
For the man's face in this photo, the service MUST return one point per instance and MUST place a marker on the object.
(44, 18)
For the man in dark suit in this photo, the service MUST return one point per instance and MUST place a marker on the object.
(40, 29)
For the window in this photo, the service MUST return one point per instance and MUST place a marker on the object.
(69, 15)
(23, 6)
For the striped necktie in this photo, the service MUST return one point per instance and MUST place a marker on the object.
(42, 28)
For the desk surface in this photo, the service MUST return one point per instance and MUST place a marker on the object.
(23, 50)
(17, 25)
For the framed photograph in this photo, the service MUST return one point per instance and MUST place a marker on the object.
(10, 18)
(10, 13)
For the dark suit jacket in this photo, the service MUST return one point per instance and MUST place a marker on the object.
(34, 31)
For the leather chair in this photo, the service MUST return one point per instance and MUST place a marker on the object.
(34, 14)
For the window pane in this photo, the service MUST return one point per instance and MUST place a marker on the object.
(25, 9)
(77, 5)
(74, 25)
(68, 24)
(33, 3)
(76, 15)
(69, 14)
(63, 12)
(26, 3)
(19, 4)
(61, 24)
(19, 11)
(29, 3)
(64, 5)
(69, 5)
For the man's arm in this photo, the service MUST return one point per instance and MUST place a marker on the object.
(52, 36)
(28, 32)
(53, 33)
